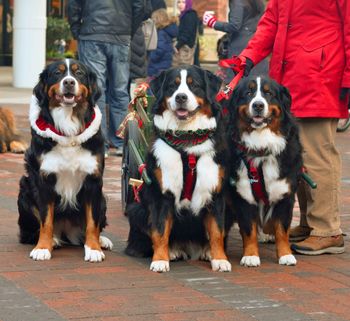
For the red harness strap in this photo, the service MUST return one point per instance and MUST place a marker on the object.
(257, 183)
(137, 189)
(237, 64)
(190, 179)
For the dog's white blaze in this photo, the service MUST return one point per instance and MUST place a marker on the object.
(168, 121)
(76, 87)
(71, 165)
(170, 163)
(259, 97)
(65, 122)
(192, 103)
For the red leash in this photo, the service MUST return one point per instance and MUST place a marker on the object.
(237, 64)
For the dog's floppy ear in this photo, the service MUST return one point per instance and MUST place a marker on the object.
(213, 85)
(95, 91)
(40, 90)
(157, 87)
(286, 98)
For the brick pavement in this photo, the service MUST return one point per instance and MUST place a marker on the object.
(122, 288)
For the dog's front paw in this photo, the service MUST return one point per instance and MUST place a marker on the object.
(40, 254)
(221, 265)
(160, 266)
(252, 260)
(106, 243)
(93, 255)
(288, 259)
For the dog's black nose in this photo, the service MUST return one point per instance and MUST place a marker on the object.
(258, 106)
(181, 98)
(69, 83)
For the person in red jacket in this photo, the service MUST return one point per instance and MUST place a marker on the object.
(310, 46)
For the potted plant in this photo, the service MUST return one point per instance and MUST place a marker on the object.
(58, 36)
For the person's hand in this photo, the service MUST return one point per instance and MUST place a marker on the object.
(344, 92)
(248, 66)
(209, 19)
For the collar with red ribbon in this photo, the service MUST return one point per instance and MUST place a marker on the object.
(46, 130)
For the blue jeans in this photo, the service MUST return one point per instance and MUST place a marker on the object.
(110, 62)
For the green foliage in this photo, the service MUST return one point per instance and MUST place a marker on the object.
(57, 29)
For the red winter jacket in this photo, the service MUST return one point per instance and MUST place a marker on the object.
(310, 46)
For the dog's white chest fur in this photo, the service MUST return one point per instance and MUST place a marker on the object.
(170, 162)
(275, 186)
(70, 165)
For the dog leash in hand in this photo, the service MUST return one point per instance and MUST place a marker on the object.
(237, 64)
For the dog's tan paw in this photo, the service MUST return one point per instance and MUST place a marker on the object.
(18, 147)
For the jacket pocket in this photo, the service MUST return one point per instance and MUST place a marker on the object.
(320, 41)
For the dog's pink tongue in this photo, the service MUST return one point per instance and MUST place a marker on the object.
(182, 112)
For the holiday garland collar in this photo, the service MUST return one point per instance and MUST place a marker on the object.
(185, 138)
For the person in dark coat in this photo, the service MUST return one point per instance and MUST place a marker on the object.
(187, 35)
(243, 18)
(161, 58)
(104, 30)
(158, 4)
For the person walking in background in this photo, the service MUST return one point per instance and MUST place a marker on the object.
(161, 58)
(139, 54)
(104, 30)
(187, 35)
(242, 21)
(310, 46)
(158, 4)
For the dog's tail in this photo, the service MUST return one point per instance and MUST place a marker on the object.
(29, 226)
(139, 241)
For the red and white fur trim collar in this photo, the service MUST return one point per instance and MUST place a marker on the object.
(48, 131)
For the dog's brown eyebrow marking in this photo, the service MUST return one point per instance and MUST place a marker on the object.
(251, 85)
(177, 80)
(189, 80)
(61, 67)
(266, 87)
(75, 67)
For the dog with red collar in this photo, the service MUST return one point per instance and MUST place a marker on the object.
(60, 198)
(182, 212)
(266, 165)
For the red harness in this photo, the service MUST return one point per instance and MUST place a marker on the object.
(255, 175)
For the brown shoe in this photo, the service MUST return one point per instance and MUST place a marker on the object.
(316, 245)
(299, 233)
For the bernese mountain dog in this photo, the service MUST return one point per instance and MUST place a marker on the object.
(10, 140)
(182, 212)
(60, 198)
(266, 163)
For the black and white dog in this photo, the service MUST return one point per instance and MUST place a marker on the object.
(60, 198)
(182, 212)
(266, 164)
